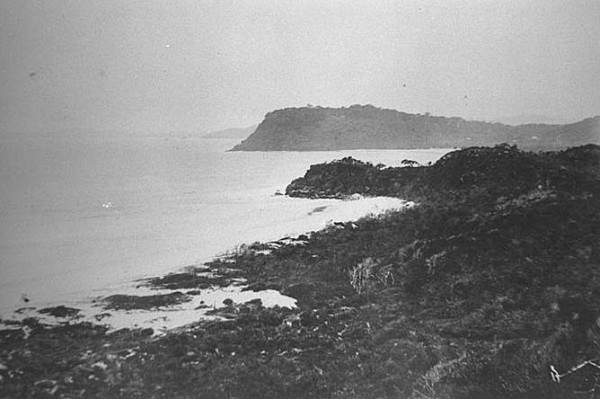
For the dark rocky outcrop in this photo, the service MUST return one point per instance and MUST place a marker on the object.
(60, 311)
(129, 302)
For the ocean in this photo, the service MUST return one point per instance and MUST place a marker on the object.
(86, 215)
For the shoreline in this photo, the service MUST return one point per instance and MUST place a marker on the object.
(74, 244)
(166, 316)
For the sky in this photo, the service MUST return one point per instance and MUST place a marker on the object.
(172, 66)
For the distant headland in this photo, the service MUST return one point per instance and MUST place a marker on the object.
(368, 127)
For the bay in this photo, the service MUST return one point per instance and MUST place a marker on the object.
(83, 215)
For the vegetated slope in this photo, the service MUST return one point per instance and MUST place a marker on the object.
(368, 127)
(497, 272)
(493, 171)
(487, 289)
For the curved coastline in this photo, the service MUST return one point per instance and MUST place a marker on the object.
(484, 289)
(141, 304)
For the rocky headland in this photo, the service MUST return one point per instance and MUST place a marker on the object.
(369, 127)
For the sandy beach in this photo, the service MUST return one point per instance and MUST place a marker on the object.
(304, 216)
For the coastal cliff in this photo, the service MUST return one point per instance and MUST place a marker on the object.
(369, 127)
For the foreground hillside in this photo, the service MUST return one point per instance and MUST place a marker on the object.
(487, 289)
(368, 127)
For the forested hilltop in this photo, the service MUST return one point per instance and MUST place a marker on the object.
(369, 127)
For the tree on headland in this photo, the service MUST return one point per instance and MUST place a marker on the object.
(409, 162)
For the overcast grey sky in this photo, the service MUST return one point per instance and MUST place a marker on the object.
(205, 65)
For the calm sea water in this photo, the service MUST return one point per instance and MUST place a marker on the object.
(81, 214)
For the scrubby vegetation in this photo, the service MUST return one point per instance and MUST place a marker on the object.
(366, 126)
(494, 172)
(501, 260)
(487, 289)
